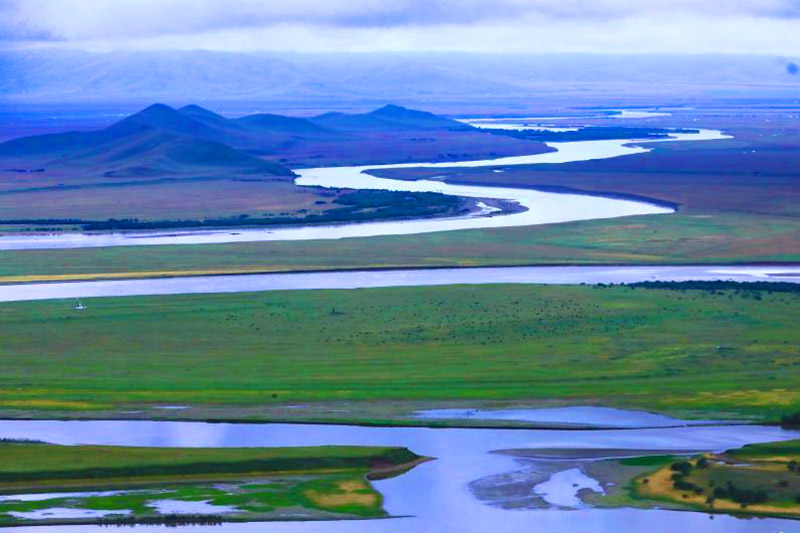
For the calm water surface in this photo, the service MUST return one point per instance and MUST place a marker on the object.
(541, 207)
(435, 497)
(586, 415)
(391, 278)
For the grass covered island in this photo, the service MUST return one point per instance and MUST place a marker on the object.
(695, 350)
(758, 479)
(126, 485)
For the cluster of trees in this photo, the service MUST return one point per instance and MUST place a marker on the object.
(357, 206)
(591, 133)
(740, 495)
(683, 469)
(791, 421)
(742, 287)
(169, 520)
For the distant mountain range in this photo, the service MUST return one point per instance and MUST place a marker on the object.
(162, 140)
(59, 76)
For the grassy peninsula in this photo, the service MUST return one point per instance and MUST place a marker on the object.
(122, 485)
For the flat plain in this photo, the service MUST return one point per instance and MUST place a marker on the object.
(681, 351)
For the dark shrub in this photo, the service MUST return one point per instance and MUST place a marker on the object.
(684, 467)
(791, 421)
(685, 485)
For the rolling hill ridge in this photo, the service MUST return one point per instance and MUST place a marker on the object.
(161, 140)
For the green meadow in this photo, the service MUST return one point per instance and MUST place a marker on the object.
(248, 483)
(721, 353)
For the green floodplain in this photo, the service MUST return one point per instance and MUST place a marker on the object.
(729, 352)
(758, 479)
(126, 484)
(699, 238)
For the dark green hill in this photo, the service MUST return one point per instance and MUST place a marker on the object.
(168, 120)
(292, 126)
(388, 118)
(202, 114)
(153, 153)
(162, 140)
(415, 119)
(157, 140)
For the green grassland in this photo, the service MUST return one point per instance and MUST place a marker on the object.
(730, 353)
(657, 239)
(258, 483)
(786, 450)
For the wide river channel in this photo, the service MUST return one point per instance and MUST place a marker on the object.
(365, 279)
(436, 496)
(540, 207)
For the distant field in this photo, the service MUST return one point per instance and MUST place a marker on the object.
(658, 239)
(739, 201)
(168, 164)
(159, 199)
(705, 354)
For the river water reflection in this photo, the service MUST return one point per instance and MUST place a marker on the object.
(541, 207)
(359, 279)
(435, 496)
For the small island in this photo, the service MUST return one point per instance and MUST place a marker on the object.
(119, 485)
(756, 480)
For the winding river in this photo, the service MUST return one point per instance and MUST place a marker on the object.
(540, 207)
(436, 496)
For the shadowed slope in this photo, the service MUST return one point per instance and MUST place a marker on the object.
(157, 140)
(390, 117)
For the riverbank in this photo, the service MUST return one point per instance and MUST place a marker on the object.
(112, 485)
(678, 239)
(49, 288)
(442, 491)
(756, 480)
(538, 206)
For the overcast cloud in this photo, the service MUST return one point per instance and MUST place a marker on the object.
(528, 26)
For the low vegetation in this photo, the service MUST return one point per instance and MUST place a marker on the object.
(760, 479)
(592, 133)
(708, 352)
(356, 206)
(127, 483)
(657, 239)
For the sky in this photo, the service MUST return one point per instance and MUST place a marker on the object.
(769, 27)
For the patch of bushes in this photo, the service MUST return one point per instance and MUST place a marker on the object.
(746, 289)
(683, 467)
(742, 496)
(791, 421)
